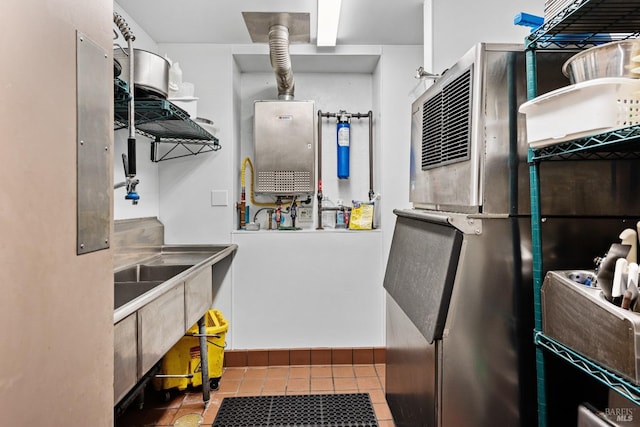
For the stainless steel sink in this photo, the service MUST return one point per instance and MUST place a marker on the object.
(158, 296)
(145, 273)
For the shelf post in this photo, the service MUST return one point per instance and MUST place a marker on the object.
(536, 247)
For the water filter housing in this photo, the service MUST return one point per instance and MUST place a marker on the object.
(284, 147)
(343, 137)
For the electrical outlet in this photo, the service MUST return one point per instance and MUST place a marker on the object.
(305, 214)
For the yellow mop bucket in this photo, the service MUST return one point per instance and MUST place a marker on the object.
(184, 356)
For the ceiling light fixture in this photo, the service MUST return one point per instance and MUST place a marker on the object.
(328, 19)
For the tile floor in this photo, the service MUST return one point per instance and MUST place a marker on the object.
(264, 380)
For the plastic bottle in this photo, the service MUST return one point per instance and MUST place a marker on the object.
(175, 79)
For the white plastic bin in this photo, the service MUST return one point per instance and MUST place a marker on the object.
(582, 109)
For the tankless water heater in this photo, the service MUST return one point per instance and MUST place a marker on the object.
(284, 147)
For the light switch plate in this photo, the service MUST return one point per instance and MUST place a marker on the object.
(219, 198)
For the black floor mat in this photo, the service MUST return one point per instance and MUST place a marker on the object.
(344, 410)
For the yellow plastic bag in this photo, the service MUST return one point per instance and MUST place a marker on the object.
(361, 216)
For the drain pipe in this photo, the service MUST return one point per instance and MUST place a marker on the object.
(281, 61)
(371, 193)
(320, 196)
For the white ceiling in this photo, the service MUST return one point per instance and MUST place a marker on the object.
(362, 22)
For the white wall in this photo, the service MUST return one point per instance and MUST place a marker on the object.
(457, 25)
(307, 289)
(311, 288)
(186, 183)
(394, 87)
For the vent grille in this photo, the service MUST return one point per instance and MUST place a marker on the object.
(446, 124)
(284, 182)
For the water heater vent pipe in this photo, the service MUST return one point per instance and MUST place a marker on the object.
(281, 61)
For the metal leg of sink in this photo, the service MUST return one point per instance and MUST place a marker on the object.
(204, 359)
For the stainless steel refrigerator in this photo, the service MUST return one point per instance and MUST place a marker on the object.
(459, 312)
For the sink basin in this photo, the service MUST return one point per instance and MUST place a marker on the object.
(146, 272)
(127, 291)
(138, 279)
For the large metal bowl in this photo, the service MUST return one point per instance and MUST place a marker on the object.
(151, 71)
(614, 59)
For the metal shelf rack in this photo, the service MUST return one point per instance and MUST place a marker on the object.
(606, 377)
(586, 23)
(163, 123)
(581, 24)
(616, 144)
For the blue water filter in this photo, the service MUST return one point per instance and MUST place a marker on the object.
(344, 130)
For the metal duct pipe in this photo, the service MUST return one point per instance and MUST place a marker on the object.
(281, 61)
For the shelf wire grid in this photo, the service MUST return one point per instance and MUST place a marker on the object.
(621, 385)
(616, 144)
(586, 23)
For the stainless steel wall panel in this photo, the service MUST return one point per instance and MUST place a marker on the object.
(94, 152)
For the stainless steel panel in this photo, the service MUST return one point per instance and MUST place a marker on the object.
(568, 308)
(125, 357)
(456, 184)
(411, 371)
(94, 141)
(198, 296)
(259, 23)
(484, 340)
(136, 233)
(160, 326)
(603, 187)
(284, 147)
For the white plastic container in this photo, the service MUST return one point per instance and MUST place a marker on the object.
(175, 79)
(582, 109)
(188, 104)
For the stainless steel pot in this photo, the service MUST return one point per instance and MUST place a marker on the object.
(151, 71)
(614, 59)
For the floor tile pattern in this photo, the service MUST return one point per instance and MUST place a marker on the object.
(264, 381)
